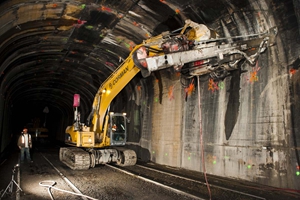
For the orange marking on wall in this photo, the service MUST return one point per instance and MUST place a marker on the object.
(190, 89)
(139, 88)
(292, 71)
(103, 8)
(213, 85)
(171, 92)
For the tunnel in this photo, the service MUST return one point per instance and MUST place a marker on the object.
(243, 126)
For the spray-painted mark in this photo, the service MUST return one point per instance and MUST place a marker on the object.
(109, 64)
(89, 27)
(253, 75)
(292, 71)
(139, 88)
(171, 93)
(212, 85)
(221, 85)
(103, 8)
(190, 89)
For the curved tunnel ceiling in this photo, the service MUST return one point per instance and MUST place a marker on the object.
(52, 49)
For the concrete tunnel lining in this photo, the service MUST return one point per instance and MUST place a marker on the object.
(53, 49)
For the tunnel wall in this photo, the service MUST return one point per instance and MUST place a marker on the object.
(6, 134)
(259, 145)
(166, 120)
(3, 144)
(247, 123)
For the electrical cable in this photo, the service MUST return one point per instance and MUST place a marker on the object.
(75, 189)
(201, 138)
(51, 184)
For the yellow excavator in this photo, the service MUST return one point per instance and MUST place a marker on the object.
(193, 50)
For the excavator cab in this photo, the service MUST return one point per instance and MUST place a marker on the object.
(117, 129)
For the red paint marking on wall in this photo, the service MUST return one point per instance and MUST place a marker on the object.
(104, 8)
(109, 64)
(171, 92)
(292, 71)
(81, 21)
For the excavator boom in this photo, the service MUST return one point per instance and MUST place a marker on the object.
(100, 142)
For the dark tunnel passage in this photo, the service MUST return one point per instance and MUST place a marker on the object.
(51, 50)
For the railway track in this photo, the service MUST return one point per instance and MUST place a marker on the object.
(142, 181)
(189, 186)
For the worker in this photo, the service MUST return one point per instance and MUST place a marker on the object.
(25, 144)
(114, 127)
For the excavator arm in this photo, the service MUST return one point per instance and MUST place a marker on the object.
(195, 51)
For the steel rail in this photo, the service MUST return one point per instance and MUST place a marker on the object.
(196, 181)
(156, 183)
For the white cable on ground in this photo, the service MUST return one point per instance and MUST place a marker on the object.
(51, 184)
(75, 189)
